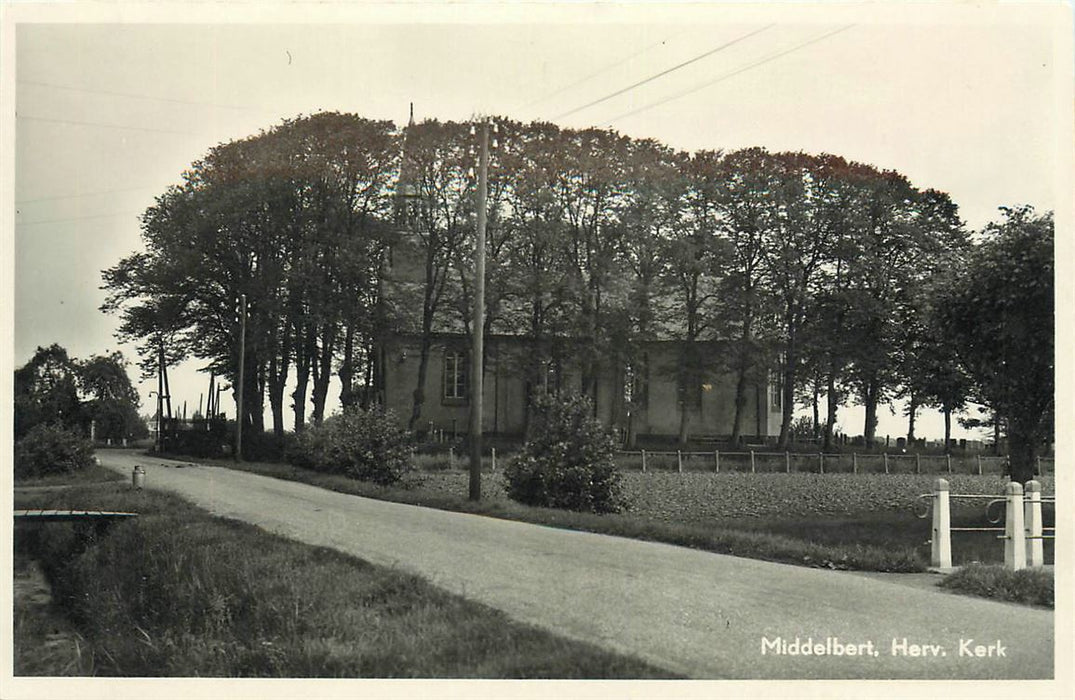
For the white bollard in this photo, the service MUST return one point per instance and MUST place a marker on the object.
(1035, 549)
(643, 461)
(138, 478)
(1014, 542)
(679, 461)
(941, 549)
(493, 450)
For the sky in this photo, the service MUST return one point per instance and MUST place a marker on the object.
(110, 107)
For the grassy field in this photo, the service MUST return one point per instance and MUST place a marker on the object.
(839, 521)
(177, 592)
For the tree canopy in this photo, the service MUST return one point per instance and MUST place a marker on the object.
(798, 269)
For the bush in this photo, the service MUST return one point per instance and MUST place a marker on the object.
(568, 462)
(51, 449)
(364, 445)
(1027, 586)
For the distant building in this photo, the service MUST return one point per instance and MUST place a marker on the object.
(641, 401)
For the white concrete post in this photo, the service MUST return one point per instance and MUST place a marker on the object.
(679, 461)
(716, 460)
(1015, 542)
(854, 463)
(978, 458)
(493, 449)
(886, 463)
(1035, 550)
(948, 460)
(917, 463)
(941, 540)
(787, 462)
(451, 458)
(821, 462)
(643, 461)
(752, 461)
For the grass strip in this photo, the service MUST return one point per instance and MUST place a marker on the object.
(1026, 586)
(712, 537)
(92, 474)
(177, 592)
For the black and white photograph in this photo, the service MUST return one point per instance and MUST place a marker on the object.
(618, 349)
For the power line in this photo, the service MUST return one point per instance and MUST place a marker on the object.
(77, 218)
(80, 195)
(132, 95)
(593, 75)
(664, 72)
(696, 88)
(101, 125)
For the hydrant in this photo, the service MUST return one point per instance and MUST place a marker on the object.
(138, 478)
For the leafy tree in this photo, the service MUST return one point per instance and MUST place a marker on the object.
(46, 392)
(113, 401)
(998, 314)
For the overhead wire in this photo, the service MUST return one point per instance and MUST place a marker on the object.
(77, 218)
(132, 95)
(598, 72)
(696, 88)
(80, 195)
(102, 125)
(665, 72)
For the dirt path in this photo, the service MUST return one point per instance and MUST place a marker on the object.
(696, 613)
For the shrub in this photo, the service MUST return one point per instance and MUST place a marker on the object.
(568, 462)
(51, 449)
(364, 445)
(1027, 586)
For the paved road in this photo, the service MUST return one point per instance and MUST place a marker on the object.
(696, 613)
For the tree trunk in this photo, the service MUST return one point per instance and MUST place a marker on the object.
(912, 413)
(348, 395)
(947, 429)
(869, 431)
(419, 389)
(1022, 451)
(323, 371)
(684, 423)
(303, 359)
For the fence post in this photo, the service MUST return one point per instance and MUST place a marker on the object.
(821, 462)
(643, 461)
(494, 458)
(917, 463)
(886, 463)
(413, 460)
(451, 458)
(1014, 534)
(1037, 466)
(941, 541)
(978, 458)
(679, 461)
(752, 461)
(787, 462)
(854, 463)
(948, 459)
(716, 460)
(1035, 548)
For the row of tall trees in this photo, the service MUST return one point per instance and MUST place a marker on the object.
(827, 274)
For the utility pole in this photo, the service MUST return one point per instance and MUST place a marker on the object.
(238, 456)
(477, 325)
(160, 397)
